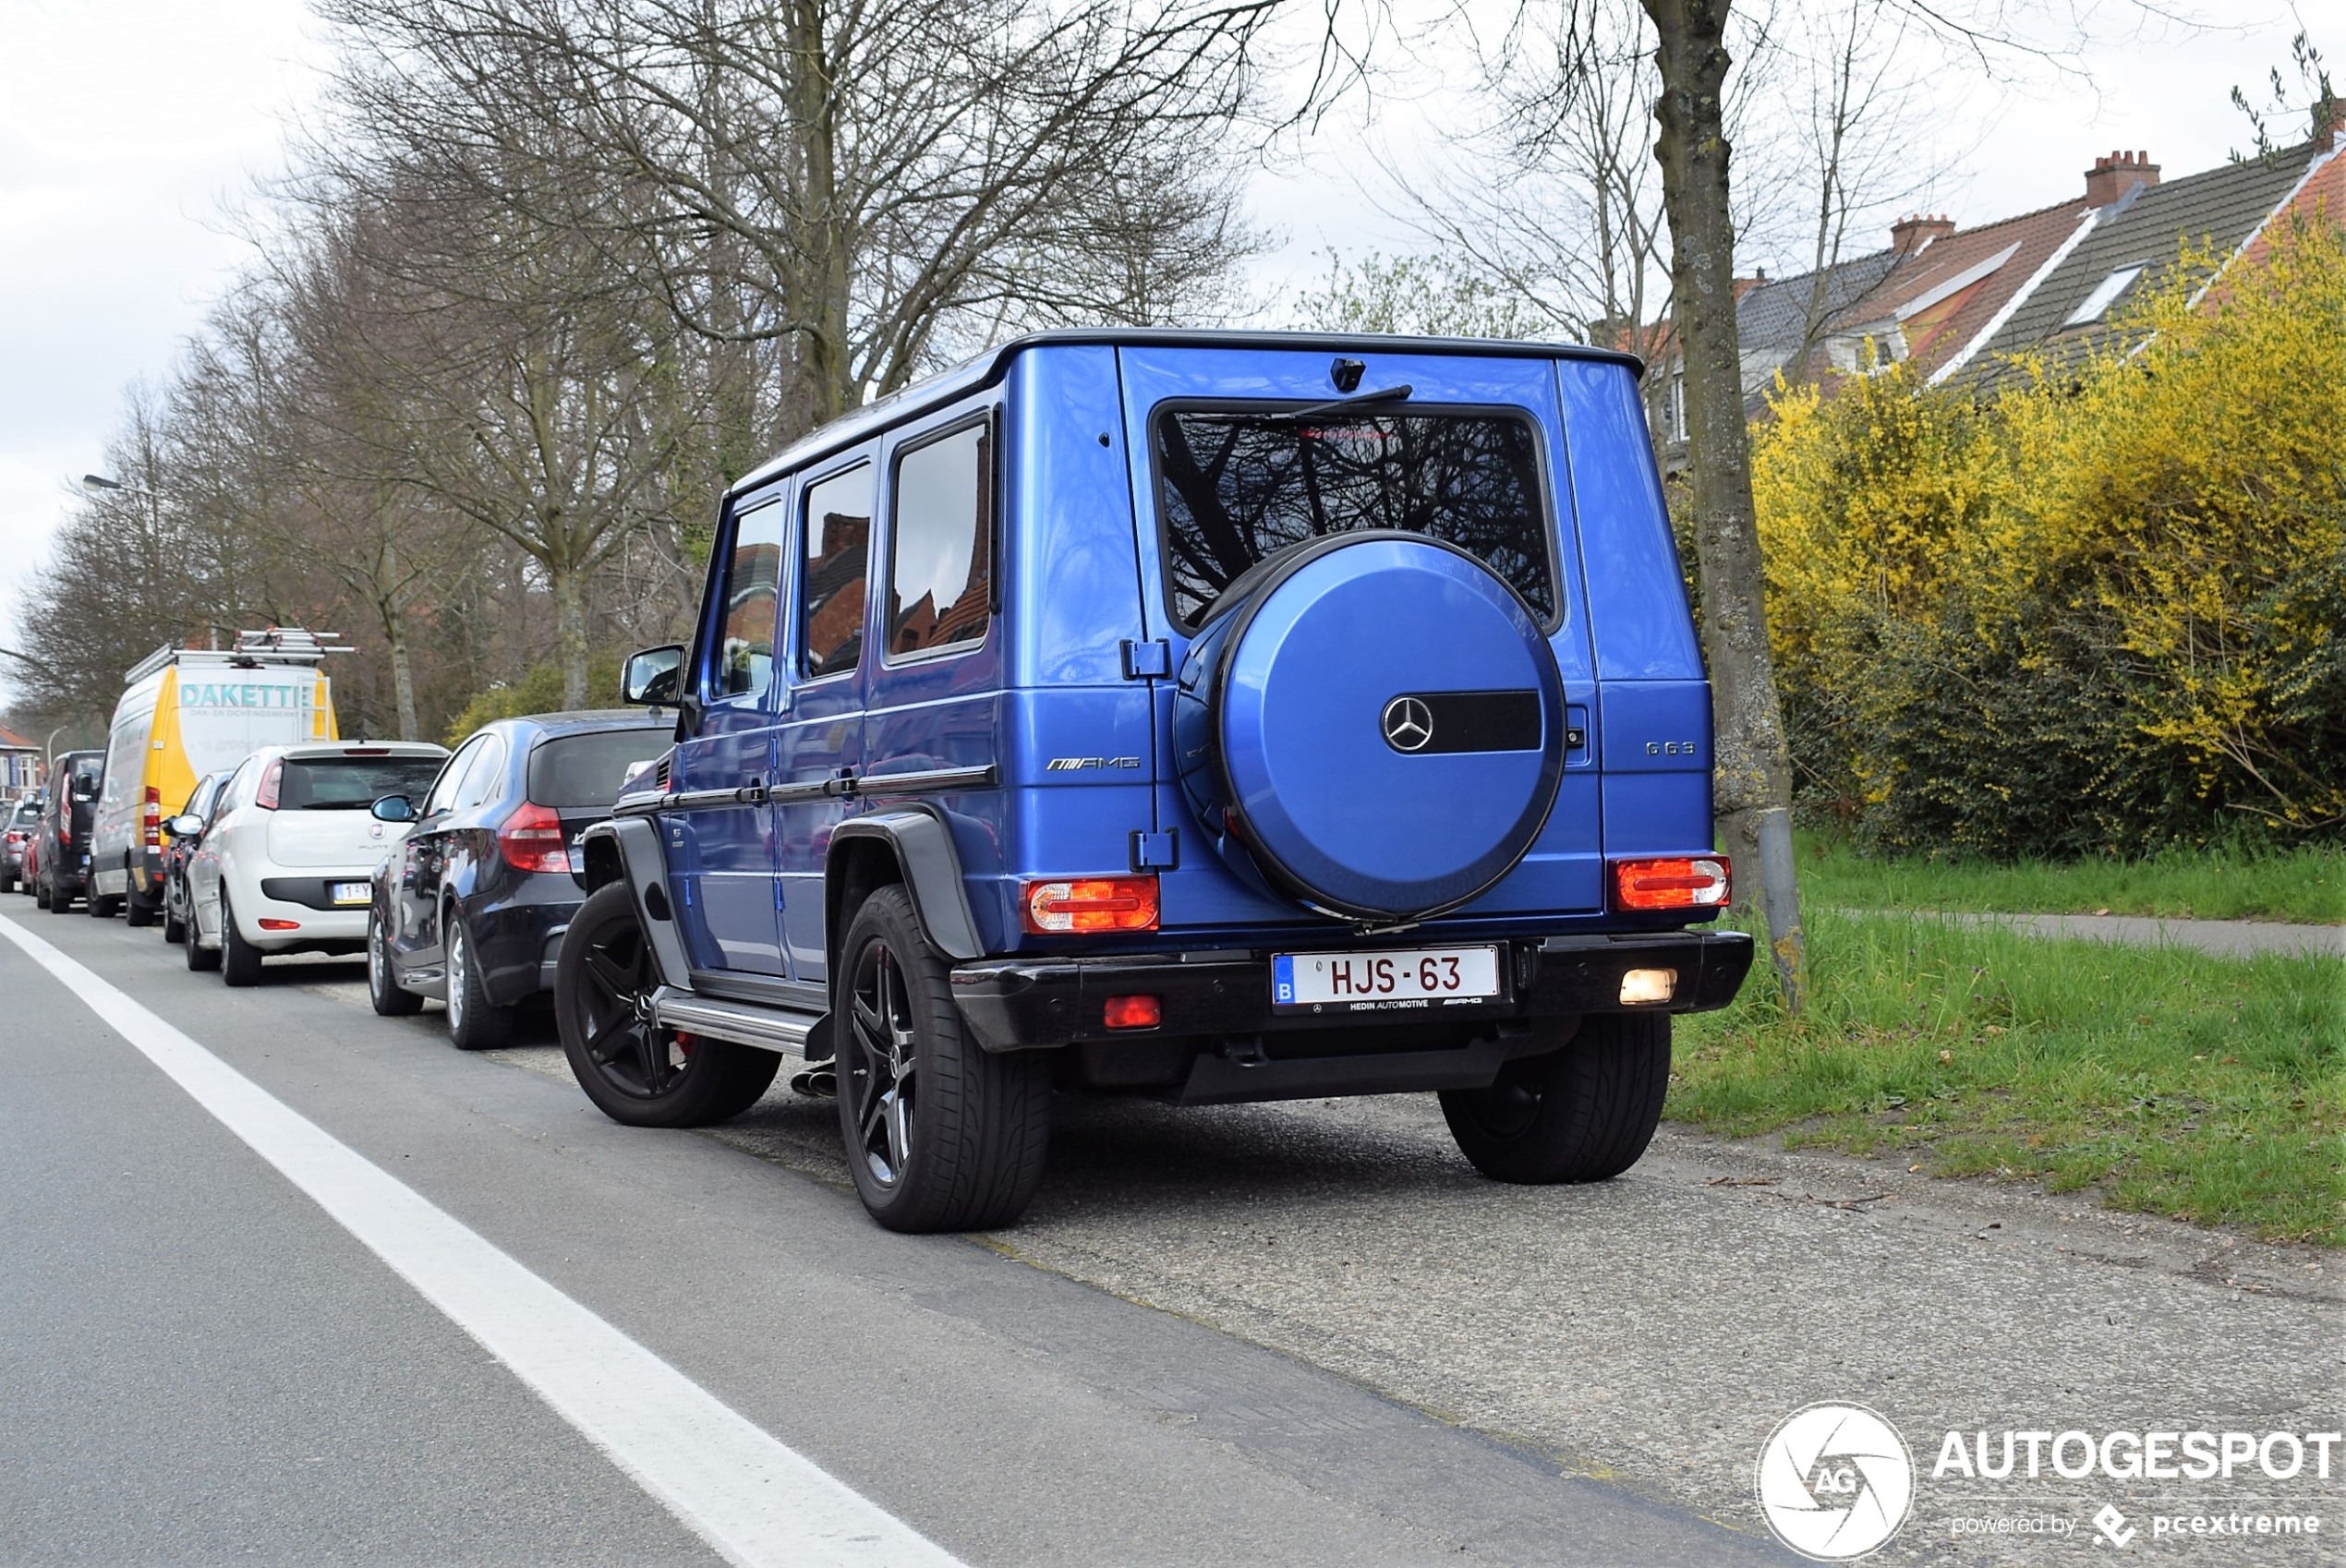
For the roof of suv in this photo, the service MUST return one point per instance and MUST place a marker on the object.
(577, 721)
(988, 369)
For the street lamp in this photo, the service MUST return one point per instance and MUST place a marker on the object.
(98, 484)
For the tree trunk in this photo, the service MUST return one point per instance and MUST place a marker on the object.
(1752, 783)
(570, 631)
(402, 674)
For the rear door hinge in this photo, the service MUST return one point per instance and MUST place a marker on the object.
(1147, 661)
(1156, 852)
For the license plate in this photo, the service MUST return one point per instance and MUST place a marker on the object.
(351, 893)
(1420, 977)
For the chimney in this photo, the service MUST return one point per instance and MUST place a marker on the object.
(2113, 176)
(1914, 231)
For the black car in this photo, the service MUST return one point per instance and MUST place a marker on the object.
(63, 859)
(176, 850)
(472, 907)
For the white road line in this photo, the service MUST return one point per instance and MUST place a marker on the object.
(759, 1503)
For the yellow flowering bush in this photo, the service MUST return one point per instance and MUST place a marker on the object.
(2100, 611)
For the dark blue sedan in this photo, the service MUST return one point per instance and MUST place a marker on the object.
(471, 908)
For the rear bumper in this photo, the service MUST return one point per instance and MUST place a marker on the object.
(1020, 1003)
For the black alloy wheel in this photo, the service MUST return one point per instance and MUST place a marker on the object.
(1584, 1112)
(175, 911)
(883, 1075)
(635, 1071)
(941, 1134)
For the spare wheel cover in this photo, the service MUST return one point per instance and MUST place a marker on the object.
(1384, 727)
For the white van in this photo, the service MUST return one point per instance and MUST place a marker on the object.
(187, 712)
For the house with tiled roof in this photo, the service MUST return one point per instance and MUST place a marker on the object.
(21, 766)
(1929, 310)
(2140, 233)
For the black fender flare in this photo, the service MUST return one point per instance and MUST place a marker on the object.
(630, 847)
(930, 867)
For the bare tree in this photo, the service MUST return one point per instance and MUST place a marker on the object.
(867, 184)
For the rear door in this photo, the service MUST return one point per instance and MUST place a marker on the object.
(721, 836)
(1187, 554)
(420, 859)
(933, 719)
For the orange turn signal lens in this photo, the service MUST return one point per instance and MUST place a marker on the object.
(1091, 903)
(1690, 884)
(1134, 1012)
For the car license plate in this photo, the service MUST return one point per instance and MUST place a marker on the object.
(1420, 977)
(351, 893)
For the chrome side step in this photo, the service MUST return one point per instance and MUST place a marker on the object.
(769, 1028)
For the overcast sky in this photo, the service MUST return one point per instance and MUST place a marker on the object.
(126, 123)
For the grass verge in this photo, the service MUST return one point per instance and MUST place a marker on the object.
(2305, 885)
(2172, 1083)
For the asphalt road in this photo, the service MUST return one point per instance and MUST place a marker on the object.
(224, 1348)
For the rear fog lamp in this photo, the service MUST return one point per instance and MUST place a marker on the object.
(1689, 884)
(268, 924)
(1092, 903)
(1134, 1012)
(1644, 986)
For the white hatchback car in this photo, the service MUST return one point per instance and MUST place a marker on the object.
(282, 862)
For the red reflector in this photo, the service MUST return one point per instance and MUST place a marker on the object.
(1091, 903)
(532, 839)
(267, 924)
(1134, 1012)
(1690, 884)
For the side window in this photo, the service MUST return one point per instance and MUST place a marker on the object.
(443, 789)
(487, 772)
(941, 565)
(233, 793)
(753, 579)
(838, 549)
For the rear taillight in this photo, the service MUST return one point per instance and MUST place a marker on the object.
(270, 776)
(532, 839)
(151, 818)
(1693, 883)
(1091, 903)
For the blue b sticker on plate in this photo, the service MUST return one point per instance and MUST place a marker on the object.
(1283, 981)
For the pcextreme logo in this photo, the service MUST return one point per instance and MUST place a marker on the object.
(1835, 1482)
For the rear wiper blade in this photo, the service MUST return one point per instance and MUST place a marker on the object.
(1382, 394)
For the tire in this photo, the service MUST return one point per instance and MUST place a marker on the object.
(174, 918)
(200, 959)
(7, 881)
(636, 1073)
(239, 960)
(40, 894)
(138, 911)
(383, 991)
(474, 1024)
(60, 902)
(104, 906)
(940, 1135)
(1584, 1112)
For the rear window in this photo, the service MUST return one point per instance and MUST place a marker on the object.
(1236, 485)
(351, 783)
(583, 772)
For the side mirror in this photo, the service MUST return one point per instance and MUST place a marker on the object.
(188, 827)
(393, 808)
(85, 790)
(653, 678)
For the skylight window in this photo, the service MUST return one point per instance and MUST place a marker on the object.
(2105, 294)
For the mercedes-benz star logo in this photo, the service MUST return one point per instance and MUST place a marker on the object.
(1408, 723)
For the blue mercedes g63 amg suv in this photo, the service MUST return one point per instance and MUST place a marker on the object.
(1212, 716)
